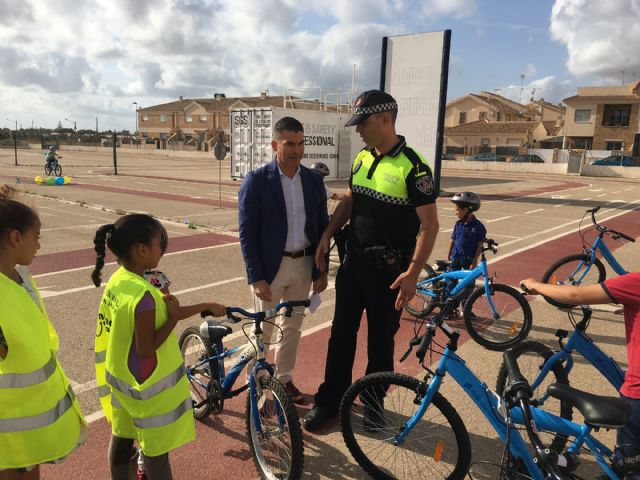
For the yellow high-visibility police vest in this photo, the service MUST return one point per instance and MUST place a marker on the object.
(40, 419)
(158, 413)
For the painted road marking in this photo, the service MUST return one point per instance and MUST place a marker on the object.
(215, 284)
(562, 204)
(556, 197)
(534, 211)
(597, 190)
(144, 183)
(585, 199)
(497, 219)
(90, 225)
(603, 195)
(185, 188)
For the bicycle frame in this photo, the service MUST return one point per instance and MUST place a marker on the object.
(601, 246)
(489, 404)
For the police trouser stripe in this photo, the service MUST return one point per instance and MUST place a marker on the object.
(20, 424)
(160, 386)
(21, 380)
(158, 420)
(101, 356)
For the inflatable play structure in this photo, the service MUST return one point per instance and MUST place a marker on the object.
(52, 180)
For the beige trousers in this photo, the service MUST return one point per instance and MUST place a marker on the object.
(292, 282)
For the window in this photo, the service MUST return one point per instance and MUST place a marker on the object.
(583, 115)
(514, 141)
(163, 117)
(188, 118)
(203, 118)
(145, 118)
(463, 118)
(613, 145)
(483, 115)
(499, 117)
(616, 115)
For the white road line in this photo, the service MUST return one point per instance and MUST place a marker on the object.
(597, 190)
(446, 230)
(613, 193)
(557, 197)
(144, 183)
(534, 211)
(78, 269)
(215, 284)
(585, 199)
(46, 294)
(184, 188)
(90, 225)
(497, 219)
(562, 204)
(603, 195)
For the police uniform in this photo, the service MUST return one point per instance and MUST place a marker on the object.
(386, 189)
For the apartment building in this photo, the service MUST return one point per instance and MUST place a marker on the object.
(604, 118)
(484, 135)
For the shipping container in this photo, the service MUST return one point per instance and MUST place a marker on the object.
(326, 139)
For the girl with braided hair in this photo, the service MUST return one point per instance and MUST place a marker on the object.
(140, 374)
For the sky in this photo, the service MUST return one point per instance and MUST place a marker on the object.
(78, 60)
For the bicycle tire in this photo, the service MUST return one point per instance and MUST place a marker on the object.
(420, 304)
(530, 356)
(514, 320)
(555, 270)
(192, 347)
(57, 170)
(47, 170)
(441, 427)
(272, 393)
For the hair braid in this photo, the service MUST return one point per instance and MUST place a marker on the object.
(99, 245)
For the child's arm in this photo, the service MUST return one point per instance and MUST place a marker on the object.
(147, 339)
(187, 311)
(474, 264)
(450, 248)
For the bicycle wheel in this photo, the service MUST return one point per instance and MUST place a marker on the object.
(194, 349)
(531, 357)
(505, 328)
(57, 170)
(47, 169)
(420, 303)
(437, 447)
(574, 269)
(277, 449)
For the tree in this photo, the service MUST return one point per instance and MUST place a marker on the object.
(59, 127)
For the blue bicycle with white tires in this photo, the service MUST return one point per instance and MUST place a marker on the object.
(273, 425)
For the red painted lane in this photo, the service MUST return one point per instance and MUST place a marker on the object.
(52, 262)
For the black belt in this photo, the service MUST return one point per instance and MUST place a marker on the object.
(300, 253)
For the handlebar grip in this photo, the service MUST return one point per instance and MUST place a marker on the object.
(524, 288)
(423, 347)
(299, 303)
(517, 382)
(626, 237)
(206, 313)
(593, 210)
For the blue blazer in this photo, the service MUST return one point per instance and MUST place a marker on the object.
(263, 218)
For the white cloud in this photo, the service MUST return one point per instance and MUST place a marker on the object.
(549, 88)
(456, 8)
(601, 37)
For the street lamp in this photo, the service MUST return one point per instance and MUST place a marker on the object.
(74, 124)
(136, 104)
(15, 141)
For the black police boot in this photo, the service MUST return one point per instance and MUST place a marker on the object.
(317, 418)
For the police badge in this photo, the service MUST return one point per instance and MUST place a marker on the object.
(356, 166)
(425, 184)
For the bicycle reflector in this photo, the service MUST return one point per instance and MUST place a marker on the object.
(437, 454)
(514, 327)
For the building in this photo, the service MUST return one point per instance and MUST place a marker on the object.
(484, 135)
(483, 106)
(196, 124)
(604, 118)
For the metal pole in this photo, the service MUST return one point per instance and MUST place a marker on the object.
(15, 145)
(220, 184)
(115, 156)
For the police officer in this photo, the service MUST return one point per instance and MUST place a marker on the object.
(391, 205)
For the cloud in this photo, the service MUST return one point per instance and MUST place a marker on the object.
(601, 38)
(549, 88)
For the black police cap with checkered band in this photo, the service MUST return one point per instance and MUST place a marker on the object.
(371, 101)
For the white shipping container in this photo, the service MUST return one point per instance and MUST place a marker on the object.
(326, 139)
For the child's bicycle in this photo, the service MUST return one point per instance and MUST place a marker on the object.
(537, 362)
(401, 427)
(585, 268)
(272, 422)
(496, 316)
(52, 167)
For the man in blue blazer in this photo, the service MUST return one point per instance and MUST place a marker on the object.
(282, 213)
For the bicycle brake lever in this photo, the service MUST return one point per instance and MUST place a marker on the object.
(414, 341)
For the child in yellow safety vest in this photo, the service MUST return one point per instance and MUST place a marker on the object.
(40, 420)
(141, 378)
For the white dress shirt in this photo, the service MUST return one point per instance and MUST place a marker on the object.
(296, 214)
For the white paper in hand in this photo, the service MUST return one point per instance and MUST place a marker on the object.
(314, 302)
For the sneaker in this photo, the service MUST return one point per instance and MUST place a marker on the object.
(295, 394)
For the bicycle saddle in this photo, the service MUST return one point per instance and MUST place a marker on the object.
(442, 265)
(598, 411)
(213, 330)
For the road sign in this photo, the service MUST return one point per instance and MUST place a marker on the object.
(219, 151)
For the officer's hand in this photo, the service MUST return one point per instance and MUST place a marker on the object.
(321, 252)
(320, 283)
(262, 290)
(407, 283)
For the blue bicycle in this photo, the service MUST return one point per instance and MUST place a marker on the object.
(496, 316)
(579, 268)
(400, 427)
(541, 366)
(272, 422)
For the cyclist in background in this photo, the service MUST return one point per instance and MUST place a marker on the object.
(51, 156)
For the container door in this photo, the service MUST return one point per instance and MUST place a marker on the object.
(241, 140)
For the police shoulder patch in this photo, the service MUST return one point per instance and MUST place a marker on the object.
(356, 166)
(425, 184)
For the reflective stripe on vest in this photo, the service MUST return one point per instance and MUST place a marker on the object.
(160, 386)
(100, 356)
(20, 424)
(103, 391)
(21, 380)
(161, 420)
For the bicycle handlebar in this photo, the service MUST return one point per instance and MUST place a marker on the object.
(614, 233)
(289, 306)
(490, 245)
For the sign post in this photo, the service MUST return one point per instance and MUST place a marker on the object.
(219, 152)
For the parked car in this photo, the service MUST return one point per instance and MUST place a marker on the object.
(527, 159)
(448, 156)
(615, 160)
(488, 157)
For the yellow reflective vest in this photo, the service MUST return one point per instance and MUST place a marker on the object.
(158, 413)
(40, 420)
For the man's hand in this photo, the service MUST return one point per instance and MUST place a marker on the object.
(320, 283)
(321, 253)
(262, 290)
(407, 282)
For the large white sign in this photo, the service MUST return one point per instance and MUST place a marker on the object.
(415, 72)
